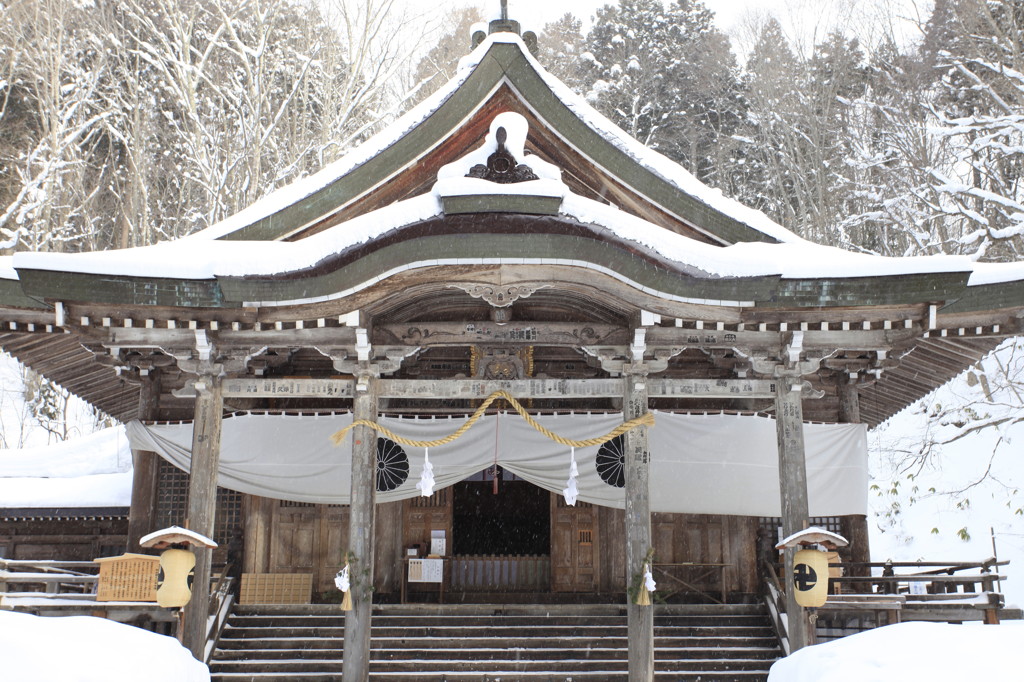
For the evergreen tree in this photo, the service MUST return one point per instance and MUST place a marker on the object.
(668, 77)
(563, 51)
(977, 49)
(769, 174)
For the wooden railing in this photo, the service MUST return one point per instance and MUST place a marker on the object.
(222, 600)
(775, 601)
(68, 588)
(481, 573)
(918, 590)
(50, 577)
(690, 578)
(921, 577)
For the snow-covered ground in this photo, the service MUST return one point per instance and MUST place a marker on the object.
(87, 649)
(936, 652)
(946, 507)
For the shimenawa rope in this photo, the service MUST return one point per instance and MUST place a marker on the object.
(646, 419)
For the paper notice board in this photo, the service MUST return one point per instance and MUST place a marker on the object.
(426, 570)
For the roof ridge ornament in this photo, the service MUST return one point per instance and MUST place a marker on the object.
(501, 166)
(504, 25)
(500, 176)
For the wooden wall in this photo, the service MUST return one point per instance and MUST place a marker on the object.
(63, 539)
(587, 553)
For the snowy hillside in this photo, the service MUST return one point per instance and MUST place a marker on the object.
(947, 472)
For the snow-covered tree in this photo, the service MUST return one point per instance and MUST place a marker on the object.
(769, 172)
(562, 47)
(128, 122)
(438, 66)
(977, 46)
(123, 123)
(668, 77)
(54, 157)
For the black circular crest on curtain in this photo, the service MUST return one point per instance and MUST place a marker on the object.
(611, 462)
(392, 465)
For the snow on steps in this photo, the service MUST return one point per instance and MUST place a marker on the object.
(476, 642)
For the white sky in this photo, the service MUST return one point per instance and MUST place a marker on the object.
(806, 20)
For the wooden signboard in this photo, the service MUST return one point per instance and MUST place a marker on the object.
(129, 577)
(426, 570)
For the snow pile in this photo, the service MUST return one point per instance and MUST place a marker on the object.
(102, 452)
(936, 652)
(996, 273)
(87, 649)
(91, 471)
(7, 270)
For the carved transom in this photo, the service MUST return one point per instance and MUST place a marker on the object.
(501, 364)
(500, 295)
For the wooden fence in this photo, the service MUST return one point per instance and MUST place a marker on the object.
(921, 577)
(951, 592)
(481, 573)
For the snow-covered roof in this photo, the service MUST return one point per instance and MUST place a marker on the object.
(90, 471)
(795, 259)
(790, 258)
(7, 270)
(667, 170)
(812, 535)
(179, 260)
(175, 535)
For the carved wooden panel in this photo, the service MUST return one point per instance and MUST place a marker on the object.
(575, 538)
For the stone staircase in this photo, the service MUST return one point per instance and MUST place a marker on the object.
(577, 643)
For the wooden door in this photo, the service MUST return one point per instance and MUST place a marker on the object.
(693, 550)
(574, 546)
(295, 537)
(309, 538)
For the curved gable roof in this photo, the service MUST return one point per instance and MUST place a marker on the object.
(500, 75)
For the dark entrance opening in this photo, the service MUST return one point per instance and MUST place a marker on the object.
(515, 521)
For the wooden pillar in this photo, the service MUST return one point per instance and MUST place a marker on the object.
(855, 528)
(202, 505)
(849, 401)
(146, 465)
(789, 416)
(356, 666)
(640, 619)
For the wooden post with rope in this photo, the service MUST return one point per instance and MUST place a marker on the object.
(356, 658)
(640, 618)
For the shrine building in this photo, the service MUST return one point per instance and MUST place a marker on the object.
(501, 236)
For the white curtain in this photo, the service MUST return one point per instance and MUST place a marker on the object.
(715, 464)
